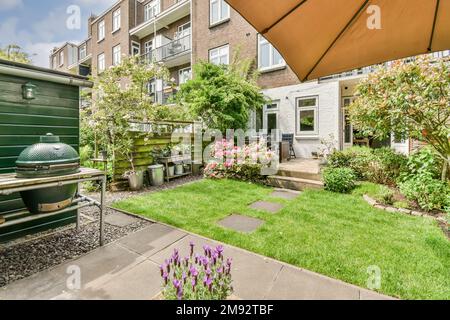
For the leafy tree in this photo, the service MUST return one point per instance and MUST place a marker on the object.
(222, 96)
(120, 98)
(14, 53)
(408, 99)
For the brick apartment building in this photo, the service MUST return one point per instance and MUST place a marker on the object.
(182, 32)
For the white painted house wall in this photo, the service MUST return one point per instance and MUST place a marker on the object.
(328, 114)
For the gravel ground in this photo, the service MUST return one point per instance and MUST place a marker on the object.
(36, 253)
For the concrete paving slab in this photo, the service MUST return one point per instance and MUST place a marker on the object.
(270, 207)
(100, 265)
(371, 295)
(119, 219)
(151, 239)
(141, 282)
(284, 195)
(241, 223)
(252, 275)
(296, 284)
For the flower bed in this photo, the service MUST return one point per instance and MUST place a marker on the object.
(248, 163)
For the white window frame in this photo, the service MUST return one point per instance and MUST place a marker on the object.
(152, 9)
(101, 63)
(83, 49)
(61, 58)
(148, 46)
(221, 19)
(272, 66)
(101, 30)
(183, 30)
(135, 45)
(216, 54)
(116, 18)
(315, 109)
(117, 55)
(181, 74)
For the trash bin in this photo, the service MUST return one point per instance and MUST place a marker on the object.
(156, 174)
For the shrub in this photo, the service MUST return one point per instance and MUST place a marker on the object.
(386, 166)
(429, 193)
(374, 165)
(341, 180)
(246, 163)
(423, 162)
(197, 277)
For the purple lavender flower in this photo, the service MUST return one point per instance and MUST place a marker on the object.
(180, 293)
(166, 278)
(207, 250)
(192, 245)
(176, 283)
(194, 272)
(161, 268)
(219, 250)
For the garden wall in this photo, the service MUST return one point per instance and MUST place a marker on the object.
(154, 141)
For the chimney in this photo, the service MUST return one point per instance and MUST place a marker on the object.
(90, 20)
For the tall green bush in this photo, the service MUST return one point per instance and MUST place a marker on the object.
(340, 180)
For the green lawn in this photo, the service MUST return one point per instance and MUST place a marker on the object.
(336, 235)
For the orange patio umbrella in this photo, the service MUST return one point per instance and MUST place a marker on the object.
(323, 37)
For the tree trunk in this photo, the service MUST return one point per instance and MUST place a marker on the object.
(445, 170)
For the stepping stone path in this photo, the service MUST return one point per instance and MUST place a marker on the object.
(287, 195)
(241, 223)
(267, 206)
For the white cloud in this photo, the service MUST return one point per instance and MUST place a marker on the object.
(6, 5)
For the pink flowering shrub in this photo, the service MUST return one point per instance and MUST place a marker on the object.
(197, 277)
(243, 163)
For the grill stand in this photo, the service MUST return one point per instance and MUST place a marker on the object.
(9, 184)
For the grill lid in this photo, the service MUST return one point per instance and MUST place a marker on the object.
(50, 157)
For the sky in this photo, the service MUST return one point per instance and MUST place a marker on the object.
(38, 26)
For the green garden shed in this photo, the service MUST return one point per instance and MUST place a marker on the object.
(33, 102)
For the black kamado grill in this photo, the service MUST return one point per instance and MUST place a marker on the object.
(49, 158)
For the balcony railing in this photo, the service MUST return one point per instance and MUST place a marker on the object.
(163, 97)
(169, 50)
(370, 69)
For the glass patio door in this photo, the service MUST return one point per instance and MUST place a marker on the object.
(347, 125)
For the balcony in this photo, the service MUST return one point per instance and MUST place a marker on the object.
(364, 71)
(163, 97)
(172, 14)
(175, 53)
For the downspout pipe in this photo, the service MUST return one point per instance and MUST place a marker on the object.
(43, 75)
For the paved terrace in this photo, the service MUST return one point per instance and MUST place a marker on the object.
(129, 269)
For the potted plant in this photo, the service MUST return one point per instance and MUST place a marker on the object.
(135, 179)
(204, 276)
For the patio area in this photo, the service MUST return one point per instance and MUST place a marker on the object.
(129, 269)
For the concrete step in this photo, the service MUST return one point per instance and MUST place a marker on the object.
(300, 174)
(297, 184)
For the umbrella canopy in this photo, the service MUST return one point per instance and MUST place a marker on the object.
(323, 37)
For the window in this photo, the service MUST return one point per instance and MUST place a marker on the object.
(135, 48)
(184, 75)
(307, 116)
(183, 31)
(101, 62)
(148, 46)
(220, 55)
(101, 30)
(151, 10)
(83, 52)
(219, 11)
(61, 58)
(116, 55)
(268, 56)
(55, 63)
(116, 20)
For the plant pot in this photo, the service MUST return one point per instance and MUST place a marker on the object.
(196, 168)
(179, 170)
(136, 181)
(156, 174)
(171, 172)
